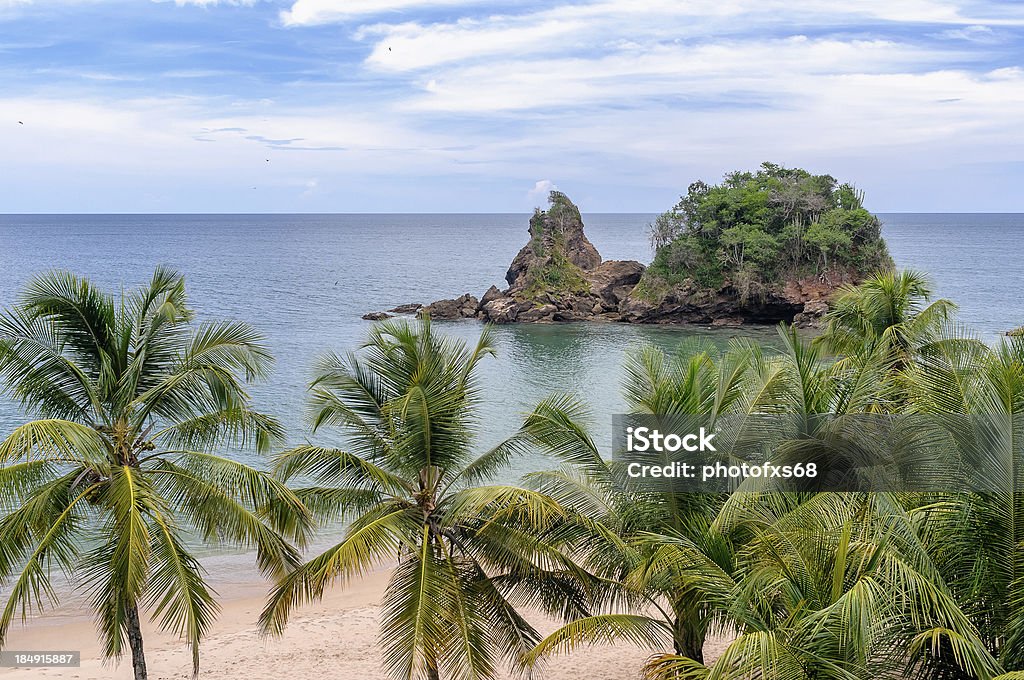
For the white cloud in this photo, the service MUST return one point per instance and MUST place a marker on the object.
(313, 12)
(211, 3)
(175, 136)
(587, 93)
(540, 190)
(411, 46)
(973, 33)
(794, 12)
(757, 72)
(311, 187)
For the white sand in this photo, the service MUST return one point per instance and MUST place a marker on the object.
(333, 639)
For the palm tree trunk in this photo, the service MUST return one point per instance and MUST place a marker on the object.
(688, 634)
(135, 642)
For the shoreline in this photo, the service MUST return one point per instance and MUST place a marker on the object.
(334, 638)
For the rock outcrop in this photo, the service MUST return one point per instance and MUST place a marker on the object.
(803, 302)
(560, 276)
(613, 281)
(558, 252)
(464, 306)
(411, 308)
(376, 316)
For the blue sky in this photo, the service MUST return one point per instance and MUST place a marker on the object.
(413, 106)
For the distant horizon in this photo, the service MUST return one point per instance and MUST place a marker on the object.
(526, 213)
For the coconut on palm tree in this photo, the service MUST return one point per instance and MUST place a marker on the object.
(403, 472)
(119, 477)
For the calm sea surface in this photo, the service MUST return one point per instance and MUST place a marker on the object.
(305, 280)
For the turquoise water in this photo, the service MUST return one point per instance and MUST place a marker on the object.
(305, 280)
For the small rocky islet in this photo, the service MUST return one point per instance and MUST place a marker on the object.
(750, 251)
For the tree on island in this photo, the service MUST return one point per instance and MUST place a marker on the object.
(755, 230)
(117, 477)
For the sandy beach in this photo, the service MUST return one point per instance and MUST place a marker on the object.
(333, 639)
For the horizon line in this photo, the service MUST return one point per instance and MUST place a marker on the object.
(583, 212)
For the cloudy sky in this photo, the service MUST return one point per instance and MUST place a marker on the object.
(437, 106)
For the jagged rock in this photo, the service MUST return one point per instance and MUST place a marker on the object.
(501, 310)
(557, 244)
(462, 307)
(410, 308)
(812, 313)
(635, 309)
(614, 280)
(541, 313)
(492, 294)
(816, 309)
(688, 302)
(376, 316)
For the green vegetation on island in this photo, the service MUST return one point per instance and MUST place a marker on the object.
(760, 229)
(761, 247)
(554, 272)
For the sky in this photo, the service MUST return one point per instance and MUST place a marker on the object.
(445, 106)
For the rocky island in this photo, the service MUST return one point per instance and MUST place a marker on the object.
(760, 248)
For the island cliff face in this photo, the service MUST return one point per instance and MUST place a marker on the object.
(560, 276)
(557, 276)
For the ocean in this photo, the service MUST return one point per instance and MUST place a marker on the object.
(305, 281)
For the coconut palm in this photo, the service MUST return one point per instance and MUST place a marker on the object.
(615, 514)
(406, 480)
(799, 578)
(977, 539)
(891, 309)
(118, 478)
(826, 586)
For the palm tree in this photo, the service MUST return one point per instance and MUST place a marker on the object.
(825, 586)
(813, 584)
(407, 483)
(616, 515)
(116, 479)
(977, 539)
(891, 310)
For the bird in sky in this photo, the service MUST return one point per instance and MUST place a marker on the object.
(20, 123)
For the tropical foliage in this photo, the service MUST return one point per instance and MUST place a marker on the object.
(812, 585)
(759, 228)
(119, 477)
(928, 584)
(409, 485)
